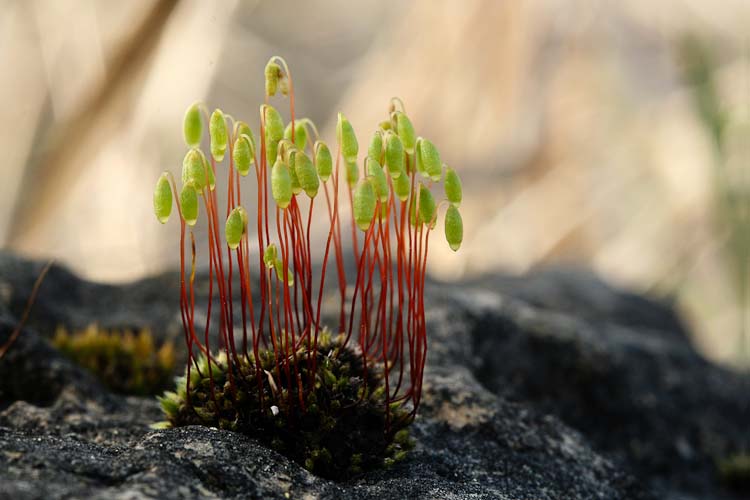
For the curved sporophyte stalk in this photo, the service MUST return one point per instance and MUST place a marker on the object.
(291, 381)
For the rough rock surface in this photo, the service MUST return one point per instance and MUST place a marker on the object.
(549, 386)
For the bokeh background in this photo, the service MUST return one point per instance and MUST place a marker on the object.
(608, 134)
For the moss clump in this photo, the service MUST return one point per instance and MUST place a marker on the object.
(126, 362)
(734, 471)
(339, 434)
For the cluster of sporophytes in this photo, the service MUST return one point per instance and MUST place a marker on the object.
(338, 403)
(126, 362)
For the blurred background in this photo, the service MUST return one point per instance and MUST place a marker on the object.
(608, 134)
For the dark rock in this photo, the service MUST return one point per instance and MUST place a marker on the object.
(66, 300)
(580, 293)
(470, 446)
(35, 372)
(565, 390)
(620, 369)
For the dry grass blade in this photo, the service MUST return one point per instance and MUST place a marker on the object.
(32, 298)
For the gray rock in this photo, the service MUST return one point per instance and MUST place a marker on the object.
(552, 386)
(620, 369)
(35, 372)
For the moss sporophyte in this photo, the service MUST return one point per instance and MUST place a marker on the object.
(337, 400)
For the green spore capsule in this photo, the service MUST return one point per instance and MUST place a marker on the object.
(274, 131)
(291, 163)
(281, 184)
(376, 146)
(452, 185)
(279, 265)
(189, 203)
(194, 169)
(426, 206)
(300, 134)
(273, 75)
(429, 159)
(402, 185)
(235, 227)
(163, 198)
(243, 129)
(364, 203)
(347, 139)
(245, 217)
(193, 126)
(405, 131)
(306, 174)
(217, 129)
(419, 163)
(352, 173)
(377, 176)
(394, 155)
(323, 161)
(383, 215)
(269, 256)
(242, 155)
(209, 170)
(286, 150)
(454, 228)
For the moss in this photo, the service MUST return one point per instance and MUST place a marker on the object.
(126, 362)
(339, 434)
(734, 471)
